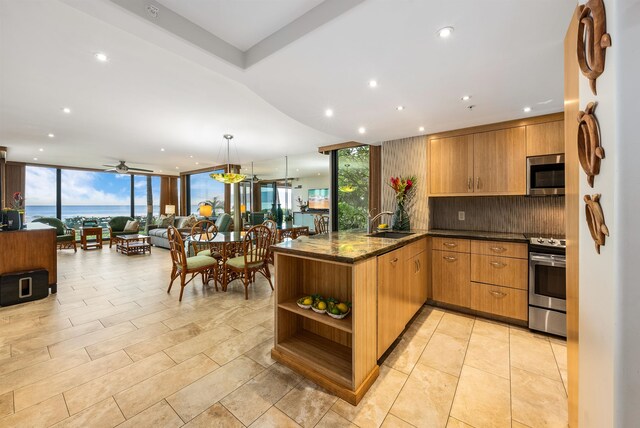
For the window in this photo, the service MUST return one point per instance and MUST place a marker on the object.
(40, 192)
(353, 187)
(88, 195)
(140, 192)
(204, 188)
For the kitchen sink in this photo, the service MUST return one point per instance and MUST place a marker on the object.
(391, 235)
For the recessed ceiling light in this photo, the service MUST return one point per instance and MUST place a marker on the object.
(197, 163)
(400, 108)
(177, 167)
(362, 130)
(318, 173)
(160, 171)
(421, 129)
(466, 98)
(162, 150)
(328, 112)
(373, 83)
(41, 149)
(445, 32)
(191, 156)
(50, 135)
(102, 57)
(66, 110)
(526, 109)
(297, 169)
(35, 158)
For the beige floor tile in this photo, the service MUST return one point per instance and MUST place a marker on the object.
(200, 395)
(255, 397)
(151, 346)
(538, 401)
(212, 313)
(444, 353)
(46, 388)
(425, 399)
(64, 347)
(161, 316)
(274, 418)
(560, 353)
(333, 420)
(39, 341)
(394, 422)
(406, 353)
(28, 375)
(215, 416)
(92, 392)
(120, 342)
(247, 321)
(6, 404)
(44, 414)
(226, 351)
(482, 399)
(27, 359)
(261, 354)
(5, 351)
(454, 423)
(374, 406)
(160, 415)
(491, 329)
(534, 355)
(516, 424)
(11, 332)
(104, 414)
(202, 342)
(456, 325)
(148, 392)
(138, 312)
(526, 333)
(103, 313)
(306, 403)
(488, 354)
(425, 323)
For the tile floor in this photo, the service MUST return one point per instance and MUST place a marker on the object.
(114, 349)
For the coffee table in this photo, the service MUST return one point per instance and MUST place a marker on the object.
(91, 231)
(133, 244)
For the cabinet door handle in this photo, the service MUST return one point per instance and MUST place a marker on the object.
(449, 258)
(498, 249)
(498, 294)
(450, 244)
(478, 183)
(470, 184)
(394, 261)
(416, 265)
(498, 265)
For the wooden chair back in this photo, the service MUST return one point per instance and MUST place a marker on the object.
(176, 244)
(273, 228)
(256, 244)
(206, 229)
(321, 224)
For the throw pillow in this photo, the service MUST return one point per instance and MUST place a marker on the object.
(165, 220)
(132, 226)
(190, 221)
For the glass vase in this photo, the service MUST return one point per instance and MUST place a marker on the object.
(400, 220)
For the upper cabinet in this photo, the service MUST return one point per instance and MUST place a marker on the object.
(545, 138)
(490, 159)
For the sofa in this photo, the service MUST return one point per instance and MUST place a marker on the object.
(158, 235)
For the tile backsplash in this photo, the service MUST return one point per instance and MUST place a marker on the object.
(512, 214)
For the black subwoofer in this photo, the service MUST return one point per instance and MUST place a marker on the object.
(23, 287)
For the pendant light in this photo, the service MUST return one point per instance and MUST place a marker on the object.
(228, 177)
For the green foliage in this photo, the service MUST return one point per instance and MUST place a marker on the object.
(353, 188)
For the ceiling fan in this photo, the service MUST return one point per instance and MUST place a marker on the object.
(121, 168)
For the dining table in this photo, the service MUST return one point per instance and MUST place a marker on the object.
(227, 244)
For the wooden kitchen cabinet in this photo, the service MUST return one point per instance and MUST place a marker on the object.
(545, 138)
(499, 162)
(415, 280)
(451, 165)
(505, 271)
(450, 277)
(391, 297)
(501, 301)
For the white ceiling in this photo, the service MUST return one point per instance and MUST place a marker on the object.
(161, 91)
(241, 23)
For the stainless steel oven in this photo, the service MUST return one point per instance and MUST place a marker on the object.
(545, 175)
(547, 286)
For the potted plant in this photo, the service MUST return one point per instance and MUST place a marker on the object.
(404, 188)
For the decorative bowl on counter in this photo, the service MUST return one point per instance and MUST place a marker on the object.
(305, 302)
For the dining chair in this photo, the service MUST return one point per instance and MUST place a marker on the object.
(206, 230)
(183, 265)
(321, 224)
(273, 228)
(255, 258)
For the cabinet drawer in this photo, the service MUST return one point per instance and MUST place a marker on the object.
(415, 248)
(502, 301)
(503, 271)
(450, 277)
(451, 244)
(497, 248)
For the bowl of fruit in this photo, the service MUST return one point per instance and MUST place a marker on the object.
(305, 302)
(319, 304)
(383, 226)
(338, 310)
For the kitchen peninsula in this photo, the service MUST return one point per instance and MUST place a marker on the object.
(385, 280)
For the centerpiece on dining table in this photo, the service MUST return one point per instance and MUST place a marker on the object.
(404, 188)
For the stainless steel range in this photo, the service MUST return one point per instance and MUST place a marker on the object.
(547, 285)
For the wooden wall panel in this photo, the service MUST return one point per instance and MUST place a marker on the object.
(168, 192)
(14, 181)
(375, 179)
(573, 205)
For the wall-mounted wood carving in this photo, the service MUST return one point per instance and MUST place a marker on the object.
(595, 220)
(593, 40)
(589, 150)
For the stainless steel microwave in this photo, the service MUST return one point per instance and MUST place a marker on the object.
(545, 175)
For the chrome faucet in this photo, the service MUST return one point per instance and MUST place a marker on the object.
(374, 218)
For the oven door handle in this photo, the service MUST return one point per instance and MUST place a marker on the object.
(548, 261)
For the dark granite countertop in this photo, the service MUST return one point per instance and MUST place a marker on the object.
(346, 247)
(480, 235)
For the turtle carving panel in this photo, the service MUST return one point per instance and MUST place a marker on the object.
(590, 153)
(595, 220)
(593, 40)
